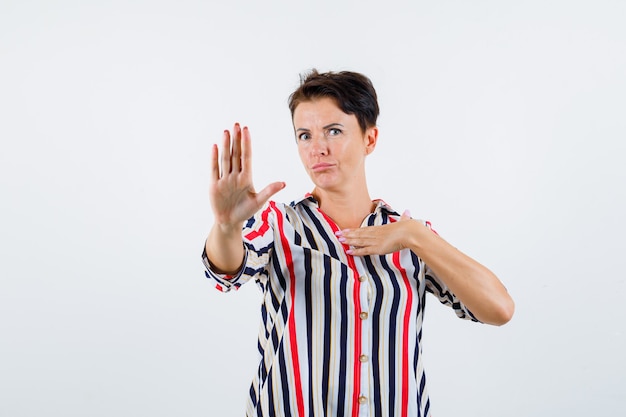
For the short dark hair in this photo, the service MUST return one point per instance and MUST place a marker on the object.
(353, 93)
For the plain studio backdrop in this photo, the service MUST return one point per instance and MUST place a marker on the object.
(503, 123)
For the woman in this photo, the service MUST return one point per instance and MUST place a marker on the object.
(343, 277)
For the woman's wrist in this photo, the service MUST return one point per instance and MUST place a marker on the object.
(228, 229)
(417, 236)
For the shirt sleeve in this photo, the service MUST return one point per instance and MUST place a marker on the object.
(440, 290)
(258, 243)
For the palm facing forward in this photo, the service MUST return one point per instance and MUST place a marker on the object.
(232, 194)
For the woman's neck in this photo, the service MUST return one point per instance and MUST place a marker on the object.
(348, 210)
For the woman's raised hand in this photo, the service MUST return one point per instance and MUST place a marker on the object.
(232, 194)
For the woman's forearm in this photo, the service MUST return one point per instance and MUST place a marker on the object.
(224, 248)
(475, 285)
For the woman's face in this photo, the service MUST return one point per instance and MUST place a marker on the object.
(331, 145)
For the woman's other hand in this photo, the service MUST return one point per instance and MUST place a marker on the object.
(377, 240)
(475, 285)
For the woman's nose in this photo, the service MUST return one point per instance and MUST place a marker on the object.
(319, 146)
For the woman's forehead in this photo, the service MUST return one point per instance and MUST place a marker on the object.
(321, 111)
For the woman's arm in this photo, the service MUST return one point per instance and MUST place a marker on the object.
(233, 199)
(224, 249)
(476, 286)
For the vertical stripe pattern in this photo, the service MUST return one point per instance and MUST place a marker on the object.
(339, 335)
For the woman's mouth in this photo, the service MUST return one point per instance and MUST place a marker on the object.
(321, 166)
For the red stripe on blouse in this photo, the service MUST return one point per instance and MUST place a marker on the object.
(405, 335)
(358, 329)
(264, 226)
(293, 342)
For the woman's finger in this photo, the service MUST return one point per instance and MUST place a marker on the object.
(235, 157)
(359, 251)
(357, 241)
(215, 165)
(269, 191)
(246, 152)
(225, 154)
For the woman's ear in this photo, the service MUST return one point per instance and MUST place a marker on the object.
(371, 137)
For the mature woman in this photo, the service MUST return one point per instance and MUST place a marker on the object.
(343, 277)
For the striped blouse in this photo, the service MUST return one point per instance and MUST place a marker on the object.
(340, 335)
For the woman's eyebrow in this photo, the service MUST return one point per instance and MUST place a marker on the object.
(324, 127)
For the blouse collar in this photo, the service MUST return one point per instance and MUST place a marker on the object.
(381, 205)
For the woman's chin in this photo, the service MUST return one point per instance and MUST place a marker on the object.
(327, 188)
(324, 181)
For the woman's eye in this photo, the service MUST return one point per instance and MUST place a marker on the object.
(304, 136)
(334, 132)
